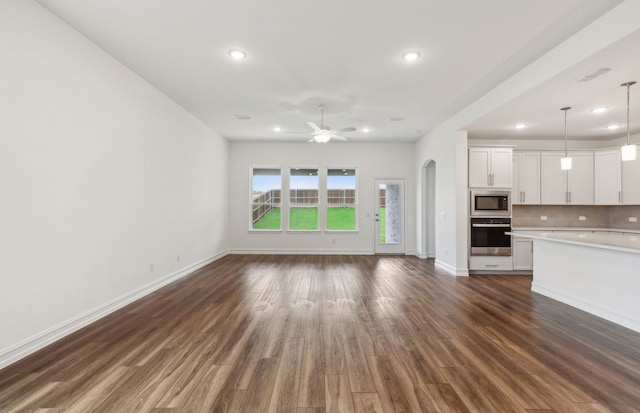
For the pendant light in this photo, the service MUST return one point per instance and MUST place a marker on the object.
(565, 163)
(628, 151)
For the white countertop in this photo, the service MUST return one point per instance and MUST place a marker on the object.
(618, 240)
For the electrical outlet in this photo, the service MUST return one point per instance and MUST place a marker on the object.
(543, 218)
(178, 258)
(151, 267)
(446, 251)
(582, 218)
(633, 219)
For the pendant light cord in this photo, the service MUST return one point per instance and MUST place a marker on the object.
(628, 129)
(565, 109)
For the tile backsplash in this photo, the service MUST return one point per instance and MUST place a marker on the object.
(595, 216)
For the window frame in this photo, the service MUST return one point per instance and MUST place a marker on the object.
(290, 205)
(251, 198)
(327, 204)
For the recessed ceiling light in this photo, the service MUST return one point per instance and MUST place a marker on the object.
(613, 127)
(520, 125)
(366, 130)
(277, 129)
(599, 109)
(242, 117)
(237, 54)
(410, 56)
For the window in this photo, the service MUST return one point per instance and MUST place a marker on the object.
(303, 199)
(266, 194)
(341, 199)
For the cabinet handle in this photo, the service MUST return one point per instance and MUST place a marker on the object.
(491, 265)
(524, 196)
(619, 197)
(569, 197)
(489, 180)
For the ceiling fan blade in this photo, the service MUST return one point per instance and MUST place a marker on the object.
(296, 132)
(314, 126)
(340, 138)
(349, 129)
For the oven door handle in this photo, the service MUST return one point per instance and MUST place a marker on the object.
(491, 225)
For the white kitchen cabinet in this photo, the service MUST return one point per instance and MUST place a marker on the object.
(522, 254)
(490, 167)
(631, 181)
(560, 187)
(526, 178)
(608, 177)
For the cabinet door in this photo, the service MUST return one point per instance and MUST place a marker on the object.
(530, 177)
(631, 181)
(608, 175)
(516, 194)
(522, 254)
(479, 169)
(552, 179)
(501, 169)
(580, 179)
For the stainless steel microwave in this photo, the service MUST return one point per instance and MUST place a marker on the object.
(490, 204)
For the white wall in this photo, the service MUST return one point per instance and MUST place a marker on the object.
(100, 175)
(372, 160)
(446, 144)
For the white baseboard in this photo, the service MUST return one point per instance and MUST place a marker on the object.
(300, 252)
(32, 344)
(451, 270)
(589, 308)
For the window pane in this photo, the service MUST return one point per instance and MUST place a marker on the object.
(341, 199)
(303, 198)
(266, 194)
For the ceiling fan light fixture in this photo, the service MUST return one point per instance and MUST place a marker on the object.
(322, 137)
(520, 126)
(599, 109)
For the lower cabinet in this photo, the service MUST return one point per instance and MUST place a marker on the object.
(522, 254)
(490, 263)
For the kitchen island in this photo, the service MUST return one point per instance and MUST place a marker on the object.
(597, 271)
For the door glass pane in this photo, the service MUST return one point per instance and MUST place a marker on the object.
(389, 213)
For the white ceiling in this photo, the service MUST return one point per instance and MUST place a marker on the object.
(540, 107)
(346, 55)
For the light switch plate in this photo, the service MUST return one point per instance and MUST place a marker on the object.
(543, 217)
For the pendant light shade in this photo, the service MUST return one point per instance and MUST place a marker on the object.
(565, 163)
(628, 151)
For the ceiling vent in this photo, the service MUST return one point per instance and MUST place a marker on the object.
(593, 74)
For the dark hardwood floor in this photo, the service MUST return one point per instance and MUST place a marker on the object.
(335, 334)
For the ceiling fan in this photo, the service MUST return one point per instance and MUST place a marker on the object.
(323, 133)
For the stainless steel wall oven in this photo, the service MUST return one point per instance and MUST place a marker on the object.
(488, 236)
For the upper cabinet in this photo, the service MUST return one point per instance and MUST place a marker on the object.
(608, 177)
(526, 178)
(490, 167)
(631, 181)
(560, 187)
